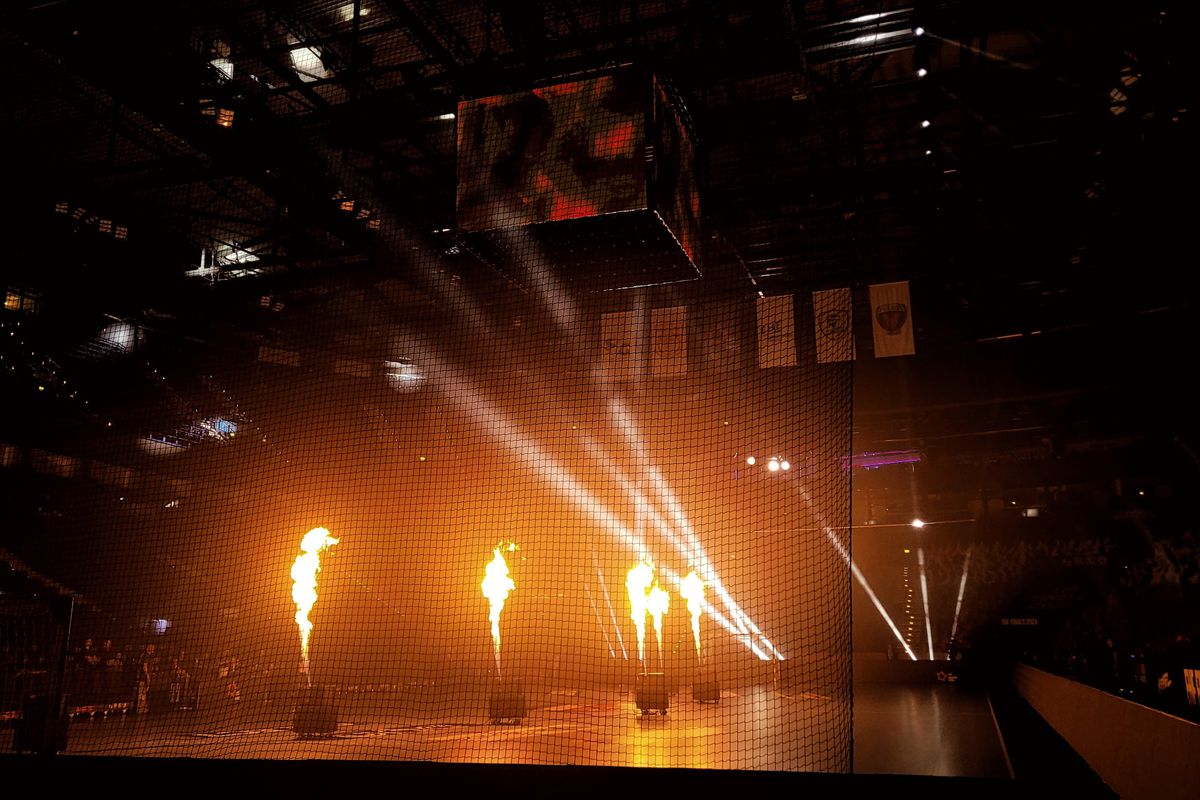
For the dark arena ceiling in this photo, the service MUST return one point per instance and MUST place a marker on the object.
(235, 170)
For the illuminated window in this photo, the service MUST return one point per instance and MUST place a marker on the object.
(307, 63)
(224, 66)
(345, 13)
(18, 300)
(10, 456)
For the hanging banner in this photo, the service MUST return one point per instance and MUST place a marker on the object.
(891, 319)
(776, 332)
(668, 341)
(833, 319)
(619, 344)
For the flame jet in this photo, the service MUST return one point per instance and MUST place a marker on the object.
(691, 589)
(304, 586)
(658, 602)
(638, 583)
(496, 586)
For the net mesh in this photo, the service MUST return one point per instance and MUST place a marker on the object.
(568, 384)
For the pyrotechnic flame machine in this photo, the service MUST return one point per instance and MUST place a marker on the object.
(506, 702)
(304, 586)
(637, 583)
(496, 586)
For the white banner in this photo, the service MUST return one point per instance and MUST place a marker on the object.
(619, 344)
(668, 341)
(776, 332)
(833, 318)
(720, 343)
(891, 319)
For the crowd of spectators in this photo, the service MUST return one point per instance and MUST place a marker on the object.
(147, 681)
(1114, 612)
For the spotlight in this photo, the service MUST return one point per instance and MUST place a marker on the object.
(918, 31)
(925, 123)
(922, 72)
(773, 465)
(918, 523)
(785, 465)
(751, 460)
(928, 152)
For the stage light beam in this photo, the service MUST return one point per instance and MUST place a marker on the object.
(962, 587)
(611, 611)
(599, 624)
(925, 600)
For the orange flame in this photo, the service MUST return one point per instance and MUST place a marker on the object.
(658, 602)
(692, 590)
(304, 585)
(496, 586)
(637, 583)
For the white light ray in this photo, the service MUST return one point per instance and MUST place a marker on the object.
(962, 587)
(832, 536)
(608, 601)
(656, 519)
(484, 414)
(603, 628)
(565, 314)
(741, 635)
(694, 550)
(925, 600)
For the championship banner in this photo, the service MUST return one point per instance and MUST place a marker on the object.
(891, 318)
(619, 344)
(776, 332)
(668, 341)
(833, 319)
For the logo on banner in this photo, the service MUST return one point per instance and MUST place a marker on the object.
(776, 331)
(834, 325)
(891, 317)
